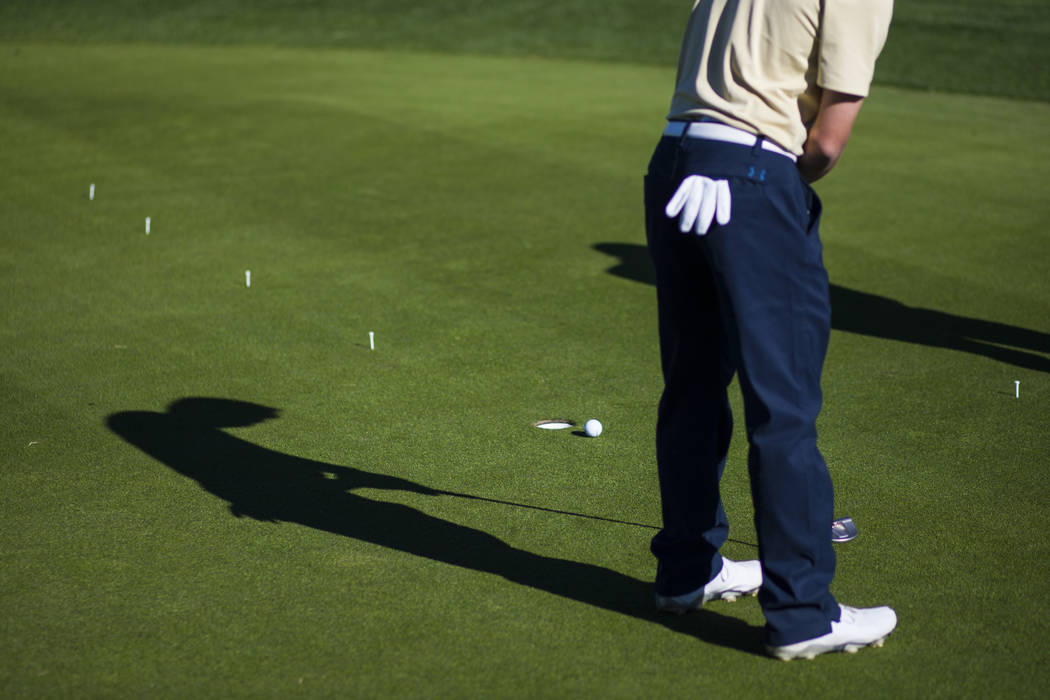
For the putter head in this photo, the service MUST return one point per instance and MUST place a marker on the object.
(843, 530)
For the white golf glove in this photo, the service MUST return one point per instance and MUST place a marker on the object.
(700, 199)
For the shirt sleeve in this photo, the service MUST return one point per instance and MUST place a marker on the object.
(852, 34)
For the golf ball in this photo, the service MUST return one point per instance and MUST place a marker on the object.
(593, 427)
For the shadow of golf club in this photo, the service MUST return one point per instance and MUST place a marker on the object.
(271, 486)
(573, 513)
(548, 510)
(853, 311)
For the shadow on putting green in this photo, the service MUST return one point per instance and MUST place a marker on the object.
(271, 486)
(859, 312)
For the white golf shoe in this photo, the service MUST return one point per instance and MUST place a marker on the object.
(736, 578)
(856, 628)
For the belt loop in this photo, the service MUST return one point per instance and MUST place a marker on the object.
(756, 150)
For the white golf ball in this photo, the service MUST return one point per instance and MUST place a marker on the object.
(593, 427)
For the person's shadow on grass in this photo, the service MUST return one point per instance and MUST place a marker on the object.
(271, 486)
(859, 312)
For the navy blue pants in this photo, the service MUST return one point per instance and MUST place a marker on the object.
(749, 298)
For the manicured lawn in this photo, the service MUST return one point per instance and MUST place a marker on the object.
(482, 217)
(967, 46)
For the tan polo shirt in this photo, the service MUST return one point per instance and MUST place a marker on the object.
(760, 65)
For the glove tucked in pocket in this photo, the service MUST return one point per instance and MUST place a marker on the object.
(700, 200)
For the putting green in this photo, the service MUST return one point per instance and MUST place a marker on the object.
(482, 217)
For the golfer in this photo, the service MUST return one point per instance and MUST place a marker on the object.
(766, 95)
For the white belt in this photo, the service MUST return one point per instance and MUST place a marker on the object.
(713, 131)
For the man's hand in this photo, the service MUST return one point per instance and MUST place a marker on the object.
(699, 200)
(828, 134)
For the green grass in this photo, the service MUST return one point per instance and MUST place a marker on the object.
(966, 46)
(481, 215)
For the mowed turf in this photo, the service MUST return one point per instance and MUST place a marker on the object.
(967, 46)
(482, 217)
